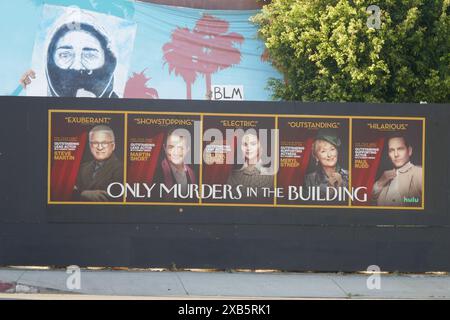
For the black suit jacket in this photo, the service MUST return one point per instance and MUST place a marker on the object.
(112, 171)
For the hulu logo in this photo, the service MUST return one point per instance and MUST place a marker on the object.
(411, 200)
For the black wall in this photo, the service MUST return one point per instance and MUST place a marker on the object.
(34, 233)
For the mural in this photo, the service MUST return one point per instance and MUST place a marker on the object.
(137, 87)
(204, 50)
(80, 53)
(174, 52)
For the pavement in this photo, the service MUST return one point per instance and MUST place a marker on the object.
(26, 283)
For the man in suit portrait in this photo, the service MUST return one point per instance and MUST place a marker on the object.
(402, 185)
(96, 175)
(173, 169)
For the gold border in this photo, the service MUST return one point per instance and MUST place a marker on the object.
(423, 161)
(277, 156)
(202, 115)
(200, 175)
(125, 154)
(49, 152)
(350, 156)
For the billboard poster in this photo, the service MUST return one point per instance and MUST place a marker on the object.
(388, 161)
(239, 158)
(162, 158)
(85, 156)
(314, 161)
(81, 53)
(223, 159)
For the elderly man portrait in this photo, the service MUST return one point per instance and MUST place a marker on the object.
(96, 175)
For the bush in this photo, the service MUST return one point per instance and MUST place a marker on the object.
(327, 52)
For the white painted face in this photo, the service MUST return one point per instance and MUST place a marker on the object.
(79, 50)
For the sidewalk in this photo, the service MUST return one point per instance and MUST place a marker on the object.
(245, 285)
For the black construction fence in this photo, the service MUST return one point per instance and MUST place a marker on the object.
(36, 230)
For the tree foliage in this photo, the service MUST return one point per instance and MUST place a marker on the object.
(327, 52)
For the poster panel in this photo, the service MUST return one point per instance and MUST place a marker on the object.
(193, 158)
(388, 159)
(163, 158)
(314, 161)
(85, 156)
(239, 159)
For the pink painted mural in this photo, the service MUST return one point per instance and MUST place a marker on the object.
(205, 50)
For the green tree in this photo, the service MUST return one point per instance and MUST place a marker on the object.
(327, 52)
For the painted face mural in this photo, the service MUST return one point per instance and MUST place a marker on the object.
(80, 63)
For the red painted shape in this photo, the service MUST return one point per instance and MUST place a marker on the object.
(218, 46)
(137, 88)
(206, 49)
(182, 54)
